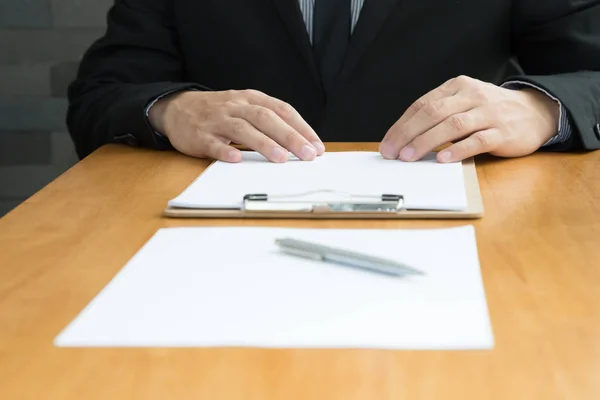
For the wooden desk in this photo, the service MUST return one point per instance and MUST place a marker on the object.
(539, 245)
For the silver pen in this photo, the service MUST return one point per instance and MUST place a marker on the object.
(345, 257)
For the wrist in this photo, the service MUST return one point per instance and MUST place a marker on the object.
(547, 110)
(158, 114)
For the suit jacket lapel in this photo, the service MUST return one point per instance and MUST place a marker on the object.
(372, 18)
(290, 13)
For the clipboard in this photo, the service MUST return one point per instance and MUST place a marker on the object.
(386, 206)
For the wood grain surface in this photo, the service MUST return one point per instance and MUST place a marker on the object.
(539, 247)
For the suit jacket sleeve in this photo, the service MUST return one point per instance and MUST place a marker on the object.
(557, 43)
(136, 61)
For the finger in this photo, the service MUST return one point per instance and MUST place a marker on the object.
(450, 88)
(456, 126)
(289, 115)
(392, 141)
(218, 149)
(447, 89)
(271, 125)
(241, 131)
(428, 117)
(480, 142)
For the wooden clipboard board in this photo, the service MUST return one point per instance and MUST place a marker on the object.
(474, 208)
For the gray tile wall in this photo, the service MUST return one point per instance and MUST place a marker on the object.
(41, 42)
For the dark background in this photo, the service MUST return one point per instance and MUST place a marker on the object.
(41, 42)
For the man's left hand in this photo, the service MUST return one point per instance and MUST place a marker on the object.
(477, 117)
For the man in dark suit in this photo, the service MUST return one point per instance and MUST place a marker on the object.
(285, 75)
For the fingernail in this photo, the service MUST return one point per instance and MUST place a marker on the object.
(234, 155)
(407, 153)
(279, 154)
(308, 152)
(319, 146)
(444, 156)
(387, 151)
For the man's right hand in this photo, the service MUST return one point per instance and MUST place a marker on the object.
(204, 124)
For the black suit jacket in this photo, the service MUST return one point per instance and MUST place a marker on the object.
(400, 50)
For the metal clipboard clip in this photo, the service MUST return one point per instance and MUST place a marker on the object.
(386, 203)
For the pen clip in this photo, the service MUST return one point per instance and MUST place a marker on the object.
(298, 252)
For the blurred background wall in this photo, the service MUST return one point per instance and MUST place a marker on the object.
(41, 42)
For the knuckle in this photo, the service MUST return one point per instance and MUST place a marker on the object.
(463, 80)
(289, 139)
(418, 105)
(232, 94)
(481, 140)
(263, 115)
(252, 93)
(456, 123)
(449, 83)
(432, 110)
(230, 104)
(480, 96)
(264, 144)
(285, 110)
(238, 127)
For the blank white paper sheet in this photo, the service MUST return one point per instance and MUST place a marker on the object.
(425, 185)
(232, 287)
